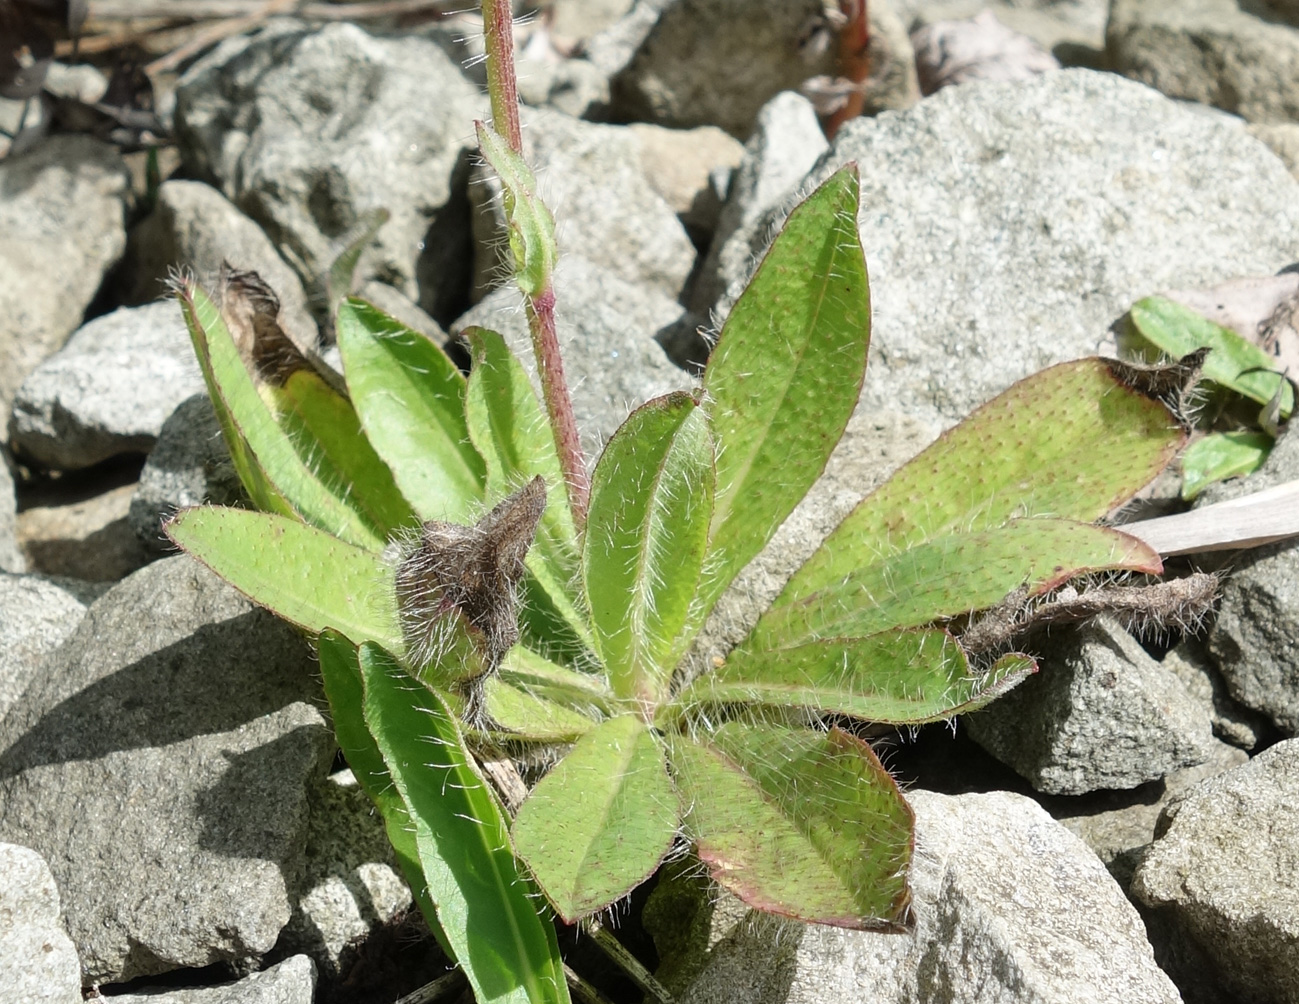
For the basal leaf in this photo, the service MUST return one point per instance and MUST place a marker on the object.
(298, 470)
(482, 902)
(411, 400)
(651, 498)
(785, 375)
(1235, 363)
(1222, 455)
(305, 575)
(898, 677)
(799, 823)
(948, 576)
(341, 672)
(528, 715)
(600, 822)
(582, 692)
(510, 430)
(1071, 442)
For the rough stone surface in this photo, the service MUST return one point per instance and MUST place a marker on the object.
(893, 83)
(194, 226)
(11, 555)
(981, 48)
(161, 762)
(1224, 873)
(606, 331)
(1282, 139)
(36, 617)
(1100, 713)
(1232, 723)
(108, 390)
(1255, 640)
(1007, 225)
(350, 884)
(1232, 54)
(306, 130)
(293, 981)
(38, 963)
(1009, 905)
(189, 466)
(787, 141)
(61, 228)
(717, 62)
(1069, 28)
(574, 20)
(88, 539)
(607, 210)
(680, 165)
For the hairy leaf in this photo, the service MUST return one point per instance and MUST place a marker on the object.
(411, 400)
(482, 902)
(523, 713)
(531, 227)
(799, 823)
(1222, 455)
(582, 692)
(651, 498)
(308, 577)
(785, 375)
(600, 822)
(898, 677)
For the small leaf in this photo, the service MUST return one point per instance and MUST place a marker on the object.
(531, 227)
(1235, 363)
(785, 375)
(582, 692)
(651, 498)
(341, 672)
(600, 822)
(296, 470)
(308, 577)
(482, 902)
(509, 428)
(529, 716)
(898, 677)
(411, 399)
(1222, 455)
(1071, 442)
(949, 576)
(798, 823)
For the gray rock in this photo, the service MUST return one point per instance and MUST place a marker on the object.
(1007, 225)
(38, 963)
(194, 226)
(161, 762)
(981, 48)
(894, 83)
(1100, 713)
(1223, 876)
(1282, 139)
(292, 981)
(11, 556)
(1255, 639)
(1009, 906)
(786, 143)
(88, 539)
(575, 87)
(606, 331)
(682, 165)
(61, 228)
(36, 617)
(189, 466)
(108, 390)
(1230, 54)
(1232, 723)
(23, 124)
(307, 130)
(591, 178)
(574, 20)
(350, 885)
(717, 62)
(1064, 27)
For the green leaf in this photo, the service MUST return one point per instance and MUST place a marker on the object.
(411, 399)
(308, 577)
(948, 576)
(1071, 442)
(482, 902)
(600, 822)
(531, 227)
(509, 428)
(299, 472)
(651, 498)
(582, 692)
(340, 670)
(527, 715)
(1222, 455)
(1235, 363)
(785, 375)
(898, 677)
(798, 823)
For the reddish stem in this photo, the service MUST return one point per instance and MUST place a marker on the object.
(502, 87)
(559, 406)
(854, 62)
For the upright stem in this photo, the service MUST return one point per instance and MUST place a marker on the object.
(502, 89)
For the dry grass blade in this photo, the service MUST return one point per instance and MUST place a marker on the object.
(1250, 521)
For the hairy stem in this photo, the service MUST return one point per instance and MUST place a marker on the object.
(502, 88)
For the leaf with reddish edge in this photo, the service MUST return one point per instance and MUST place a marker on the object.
(799, 823)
